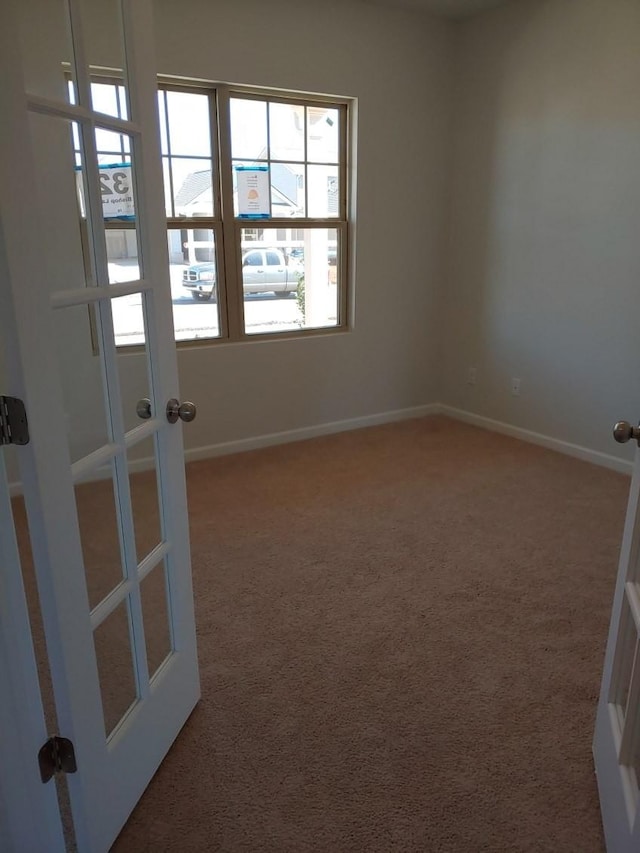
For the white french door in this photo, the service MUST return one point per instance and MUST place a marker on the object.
(111, 556)
(616, 745)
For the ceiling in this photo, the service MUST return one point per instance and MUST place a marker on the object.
(450, 8)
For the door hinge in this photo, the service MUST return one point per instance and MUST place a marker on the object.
(57, 755)
(13, 421)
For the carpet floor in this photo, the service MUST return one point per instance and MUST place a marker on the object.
(401, 632)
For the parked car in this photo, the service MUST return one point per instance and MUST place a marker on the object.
(263, 271)
(298, 253)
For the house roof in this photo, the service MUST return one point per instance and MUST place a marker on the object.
(197, 183)
(193, 186)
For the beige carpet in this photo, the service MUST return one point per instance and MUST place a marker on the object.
(401, 632)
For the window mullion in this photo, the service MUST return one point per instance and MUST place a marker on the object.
(344, 141)
(165, 110)
(233, 295)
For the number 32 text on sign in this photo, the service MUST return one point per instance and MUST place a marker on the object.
(116, 189)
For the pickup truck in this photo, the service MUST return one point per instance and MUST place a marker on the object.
(263, 271)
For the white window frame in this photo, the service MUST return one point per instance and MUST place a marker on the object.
(232, 225)
(227, 228)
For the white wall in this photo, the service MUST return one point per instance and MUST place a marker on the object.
(397, 65)
(544, 278)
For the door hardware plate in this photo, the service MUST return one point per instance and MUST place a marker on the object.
(57, 755)
(14, 428)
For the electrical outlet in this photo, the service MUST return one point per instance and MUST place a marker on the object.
(515, 387)
(472, 376)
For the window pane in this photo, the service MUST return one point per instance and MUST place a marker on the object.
(194, 283)
(290, 279)
(287, 189)
(189, 126)
(323, 191)
(322, 134)
(286, 131)
(192, 186)
(248, 129)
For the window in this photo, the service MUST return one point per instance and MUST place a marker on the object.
(255, 189)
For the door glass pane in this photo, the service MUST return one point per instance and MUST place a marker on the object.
(168, 187)
(134, 385)
(122, 254)
(115, 666)
(104, 46)
(290, 278)
(46, 51)
(194, 283)
(38, 638)
(143, 483)
(99, 534)
(153, 591)
(104, 97)
(164, 124)
(23, 542)
(112, 146)
(128, 321)
(624, 657)
(116, 177)
(59, 175)
(81, 380)
(635, 749)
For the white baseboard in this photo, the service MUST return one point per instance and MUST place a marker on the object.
(302, 433)
(623, 466)
(285, 437)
